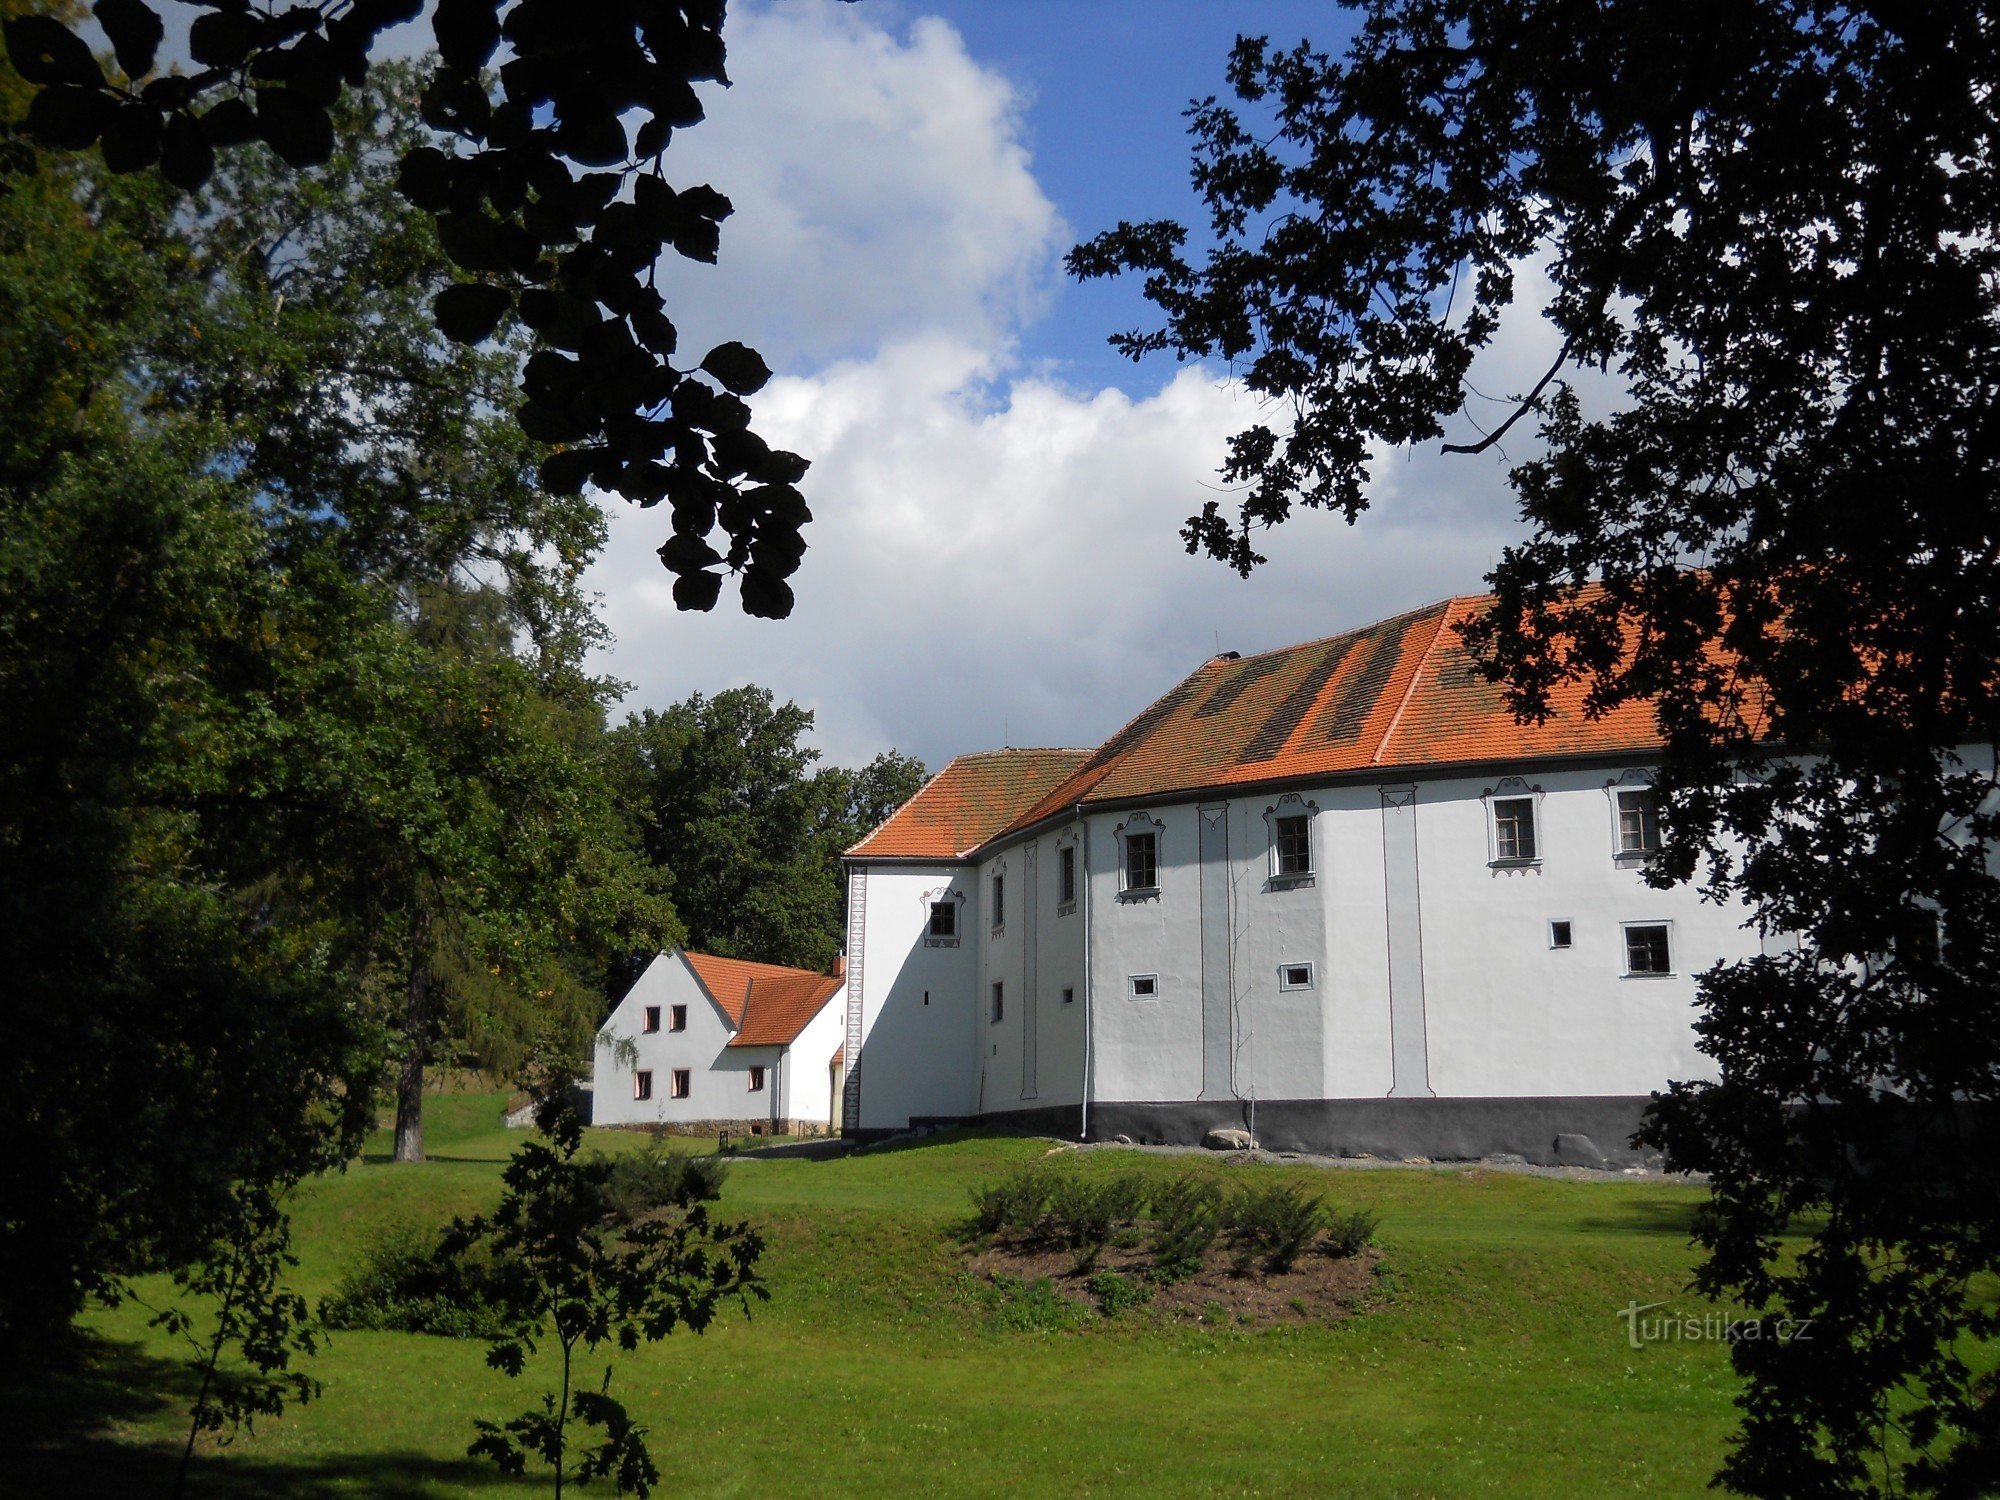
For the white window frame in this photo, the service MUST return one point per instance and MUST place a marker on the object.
(642, 1085)
(1630, 782)
(1569, 926)
(1625, 944)
(677, 1018)
(649, 1019)
(1285, 976)
(755, 1076)
(941, 896)
(1069, 994)
(1138, 825)
(675, 1088)
(997, 894)
(1066, 853)
(1291, 805)
(1512, 789)
(997, 1002)
(1133, 981)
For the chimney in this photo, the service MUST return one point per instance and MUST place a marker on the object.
(840, 966)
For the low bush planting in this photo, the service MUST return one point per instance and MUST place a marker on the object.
(1013, 1205)
(407, 1284)
(1083, 1215)
(1350, 1233)
(1276, 1221)
(637, 1182)
(1187, 1216)
(1116, 1294)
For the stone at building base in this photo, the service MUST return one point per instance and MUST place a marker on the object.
(1390, 1129)
(1227, 1138)
(1577, 1151)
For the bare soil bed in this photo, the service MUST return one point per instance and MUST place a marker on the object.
(1317, 1287)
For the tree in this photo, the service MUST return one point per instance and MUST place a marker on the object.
(729, 803)
(577, 1274)
(1777, 228)
(539, 194)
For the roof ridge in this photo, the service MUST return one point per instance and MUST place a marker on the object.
(1416, 676)
(1322, 640)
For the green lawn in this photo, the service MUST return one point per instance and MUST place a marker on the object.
(1497, 1363)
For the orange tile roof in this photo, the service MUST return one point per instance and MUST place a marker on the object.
(767, 1004)
(968, 802)
(1402, 694)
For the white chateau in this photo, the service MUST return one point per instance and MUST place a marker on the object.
(1334, 888)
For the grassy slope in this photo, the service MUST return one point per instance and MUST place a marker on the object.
(1497, 1365)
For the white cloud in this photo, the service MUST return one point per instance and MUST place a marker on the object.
(995, 557)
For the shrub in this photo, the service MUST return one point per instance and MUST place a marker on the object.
(636, 1182)
(1083, 1214)
(1277, 1221)
(1034, 1306)
(1187, 1215)
(1115, 1293)
(1014, 1203)
(407, 1284)
(1350, 1233)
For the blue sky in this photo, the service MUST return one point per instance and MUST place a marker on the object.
(994, 557)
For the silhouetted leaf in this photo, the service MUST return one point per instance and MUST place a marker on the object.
(45, 51)
(470, 311)
(567, 472)
(186, 158)
(131, 138)
(230, 123)
(425, 178)
(223, 38)
(299, 130)
(467, 31)
(697, 591)
(134, 31)
(68, 117)
(593, 140)
(740, 368)
(765, 594)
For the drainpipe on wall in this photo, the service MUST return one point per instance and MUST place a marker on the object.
(1083, 859)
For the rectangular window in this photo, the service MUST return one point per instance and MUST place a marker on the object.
(1294, 845)
(1559, 934)
(1066, 874)
(1646, 949)
(652, 1020)
(680, 1083)
(1069, 995)
(757, 1078)
(642, 1084)
(1514, 828)
(677, 1019)
(1295, 976)
(999, 902)
(944, 919)
(1145, 986)
(1142, 861)
(1638, 823)
(999, 1001)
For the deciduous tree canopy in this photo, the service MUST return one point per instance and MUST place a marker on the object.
(1775, 229)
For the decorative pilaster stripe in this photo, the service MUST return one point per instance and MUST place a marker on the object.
(857, 950)
(1218, 963)
(1402, 901)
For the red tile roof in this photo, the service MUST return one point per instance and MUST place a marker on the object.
(1402, 694)
(969, 801)
(767, 1004)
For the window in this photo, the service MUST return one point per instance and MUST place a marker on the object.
(677, 1019)
(944, 919)
(1145, 986)
(999, 1001)
(1646, 948)
(652, 1019)
(1638, 823)
(642, 1084)
(1142, 861)
(1559, 934)
(999, 901)
(1294, 840)
(1069, 995)
(757, 1078)
(1295, 976)
(1066, 875)
(680, 1083)
(1514, 828)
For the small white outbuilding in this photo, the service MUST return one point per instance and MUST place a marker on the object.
(701, 1043)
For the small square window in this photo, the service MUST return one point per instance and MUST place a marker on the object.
(1646, 949)
(677, 1018)
(944, 919)
(1514, 828)
(1145, 986)
(642, 1084)
(999, 902)
(999, 1001)
(1559, 934)
(1069, 995)
(1066, 874)
(652, 1019)
(681, 1083)
(1294, 837)
(1295, 976)
(1142, 861)
(756, 1078)
(1638, 823)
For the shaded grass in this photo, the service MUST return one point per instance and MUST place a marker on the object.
(1493, 1361)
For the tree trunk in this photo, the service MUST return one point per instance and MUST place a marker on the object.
(417, 1033)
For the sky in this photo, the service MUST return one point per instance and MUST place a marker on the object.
(994, 557)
